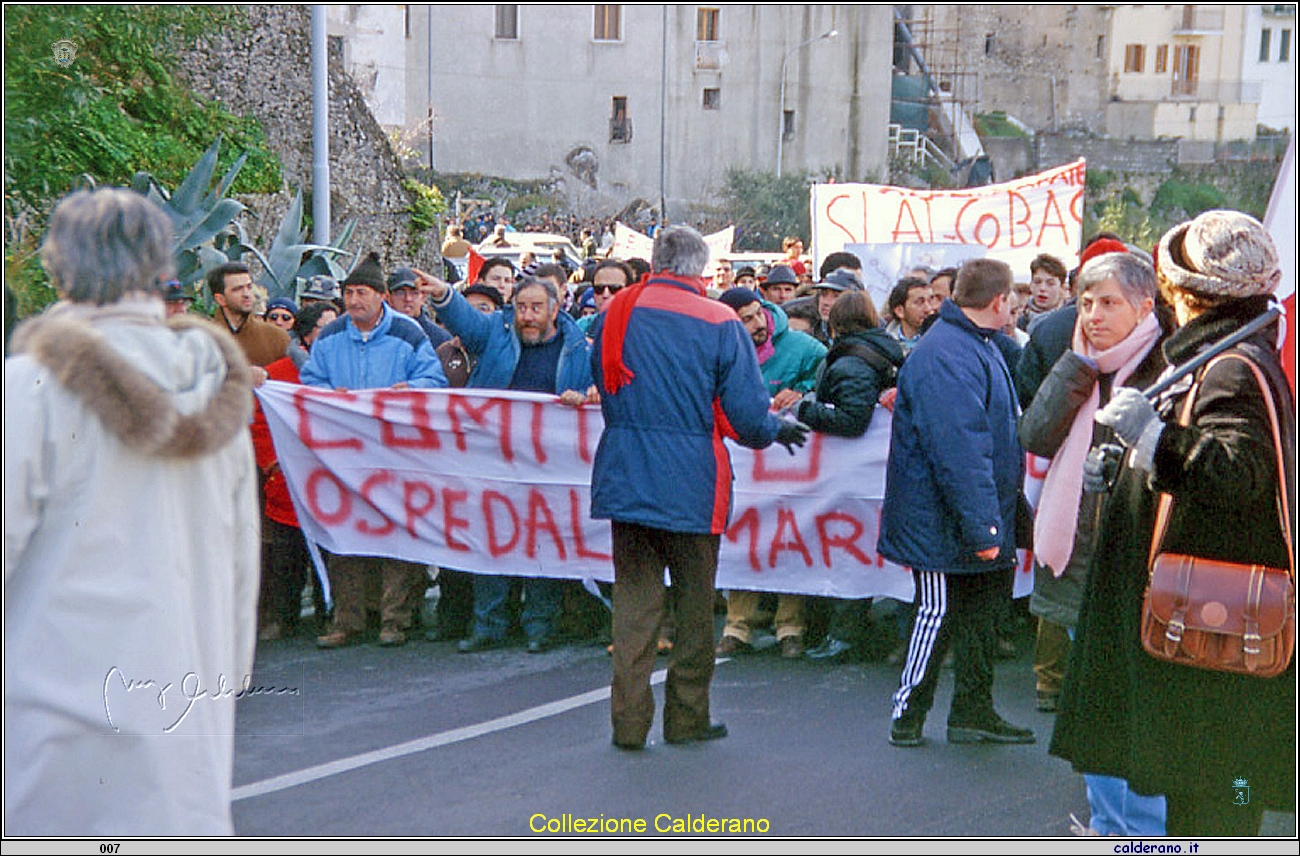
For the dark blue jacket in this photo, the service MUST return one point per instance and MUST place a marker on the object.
(493, 341)
(1050, 336)
(662, 461)
(955, 463)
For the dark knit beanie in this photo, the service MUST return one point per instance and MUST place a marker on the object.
(368, 273)
(738, 297)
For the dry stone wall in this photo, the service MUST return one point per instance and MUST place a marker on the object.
(264, 69)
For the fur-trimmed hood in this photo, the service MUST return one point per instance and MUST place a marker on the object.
(180, 388)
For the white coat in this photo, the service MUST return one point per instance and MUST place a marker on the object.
(130, 557)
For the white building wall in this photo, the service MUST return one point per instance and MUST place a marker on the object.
(1276, 74)
(373, 37)
(539, 106)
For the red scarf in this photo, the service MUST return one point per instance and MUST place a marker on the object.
(617, 315)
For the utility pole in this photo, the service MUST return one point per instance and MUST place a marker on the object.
(320, 128)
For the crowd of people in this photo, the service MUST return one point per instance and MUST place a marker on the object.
(976, 369)
(589, 234)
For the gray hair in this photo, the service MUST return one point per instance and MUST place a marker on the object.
(679, 250)
(1135, 277)
(552, 293)
(103, 244)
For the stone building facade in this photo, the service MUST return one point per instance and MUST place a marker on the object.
(629, 101)
(1125, 71)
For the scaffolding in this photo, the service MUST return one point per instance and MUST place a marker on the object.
(938, 55)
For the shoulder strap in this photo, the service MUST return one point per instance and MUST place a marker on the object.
(1184, 418)
(867, 354)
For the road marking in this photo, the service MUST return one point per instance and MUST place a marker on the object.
(412, 747)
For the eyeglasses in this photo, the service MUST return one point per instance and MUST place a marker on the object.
(606, 289)
(279, 316)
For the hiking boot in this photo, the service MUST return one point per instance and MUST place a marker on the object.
(338, 639)
(906, 733)
(712, 731)
(990, 729)
(474, 644)
(792, 648)
(731, 646)
(831, 650)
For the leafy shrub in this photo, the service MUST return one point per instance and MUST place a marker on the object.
(115, 110)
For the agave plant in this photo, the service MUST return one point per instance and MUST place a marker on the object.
(209, 233)
(289, 259)
(198, 209)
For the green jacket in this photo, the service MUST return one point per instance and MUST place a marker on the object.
(797, 358)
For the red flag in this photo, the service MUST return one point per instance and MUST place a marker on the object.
(475, 263)
(1281, 224)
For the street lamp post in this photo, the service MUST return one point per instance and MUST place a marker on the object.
(320, 126)
(780, 118)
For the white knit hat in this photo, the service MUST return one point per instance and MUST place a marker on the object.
(1220, 254)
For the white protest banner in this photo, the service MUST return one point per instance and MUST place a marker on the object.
(498, 483)
(1035, 474)
(719, 248)
(883, 265)
(630, 244)
(1013, 221)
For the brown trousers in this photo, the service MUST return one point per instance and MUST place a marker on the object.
(1051, 656)
(352, 576)
(640, 556)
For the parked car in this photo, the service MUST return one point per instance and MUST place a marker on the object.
(541, 244)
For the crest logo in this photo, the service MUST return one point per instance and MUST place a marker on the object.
(65, 51)
(1241, 789)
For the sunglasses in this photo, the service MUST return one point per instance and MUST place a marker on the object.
(606, 289)
(279, 316)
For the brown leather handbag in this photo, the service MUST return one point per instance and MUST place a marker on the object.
(1217, 615)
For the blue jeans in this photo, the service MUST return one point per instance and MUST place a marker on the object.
(1116, 810)
(541, 606)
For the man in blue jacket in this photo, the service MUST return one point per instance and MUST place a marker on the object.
(677, 374)
(530, 345)
(952, 485)
(371, 347)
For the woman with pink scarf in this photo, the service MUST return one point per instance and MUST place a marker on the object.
(1115, 344)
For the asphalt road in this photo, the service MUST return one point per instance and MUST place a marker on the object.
(425, 741)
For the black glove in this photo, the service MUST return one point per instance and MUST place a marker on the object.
(792, 434)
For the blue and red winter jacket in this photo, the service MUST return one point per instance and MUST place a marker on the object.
(662, 461)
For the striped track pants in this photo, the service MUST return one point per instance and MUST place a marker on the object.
(961, 610)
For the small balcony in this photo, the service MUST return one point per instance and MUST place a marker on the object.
(710, 56)
(1188, 89)
(1200, 21)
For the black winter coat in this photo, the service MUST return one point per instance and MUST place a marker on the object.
(1051, 337)
(848, 386)
(1173, 729)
